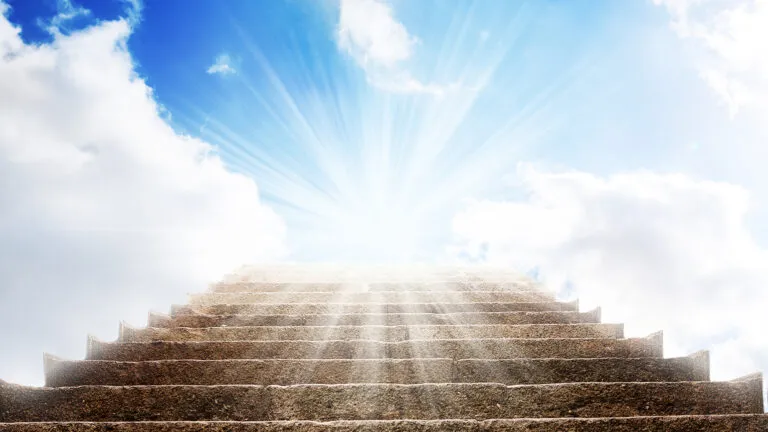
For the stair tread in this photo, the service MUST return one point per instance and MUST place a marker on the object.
(517, 317)
(454, 348)
(681, 423)
(379, 401)
(378, 332)
(369, 297)
(312, 308)
(405, 371)
(373, 286)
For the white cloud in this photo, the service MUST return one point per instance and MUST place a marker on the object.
(133, 9)
(404, 83)
(106, 211)
(656, 251)
(222, 65)
(733, 34)
(66, 12)
(733, 93)
(9, 35)
(369, 32)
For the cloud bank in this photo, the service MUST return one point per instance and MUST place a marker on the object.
(657, 251)
(106, 210)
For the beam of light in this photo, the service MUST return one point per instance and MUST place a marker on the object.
(370, 171)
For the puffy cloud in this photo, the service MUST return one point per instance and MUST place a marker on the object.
(67, 12)
(368, 31)
(657, 251)
(106, 211)
(222, 65)
(732, 34)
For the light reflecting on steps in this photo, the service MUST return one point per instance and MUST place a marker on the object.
(429, 353)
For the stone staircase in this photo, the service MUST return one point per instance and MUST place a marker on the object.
(443, 350)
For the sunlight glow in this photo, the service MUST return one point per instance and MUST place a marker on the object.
(369, 165)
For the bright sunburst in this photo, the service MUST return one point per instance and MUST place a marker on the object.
(366, 135)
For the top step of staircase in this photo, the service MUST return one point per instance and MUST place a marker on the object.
(416, 274)
(212, 298)
(439, 286)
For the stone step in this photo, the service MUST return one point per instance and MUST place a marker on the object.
(210, 298)
(378, 401)
(363, 308)
(700, 423)
(296, 278)
(379, 333)
(360, 349)
(395, 371)
(438, 286)
(681, 423)
(452, 318)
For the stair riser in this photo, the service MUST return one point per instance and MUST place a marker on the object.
(372, 287)
(457, 349)
(380, 333)
(509, 318)
(287, 372)
(367, 308)
(731, 423)
(359, 402)
(369, 297)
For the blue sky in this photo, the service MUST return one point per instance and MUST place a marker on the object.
(615, 147)
(551, 81)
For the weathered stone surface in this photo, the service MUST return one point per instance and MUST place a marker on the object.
(380, 333)
(544, 371)
(159, 320)
(396, 371)
(263, 372)
(686, 423)
(366, 308)
(370, 297)
(377, 401)
(457, 352)
(446, 348)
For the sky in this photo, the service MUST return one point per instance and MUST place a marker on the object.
(615, 150)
